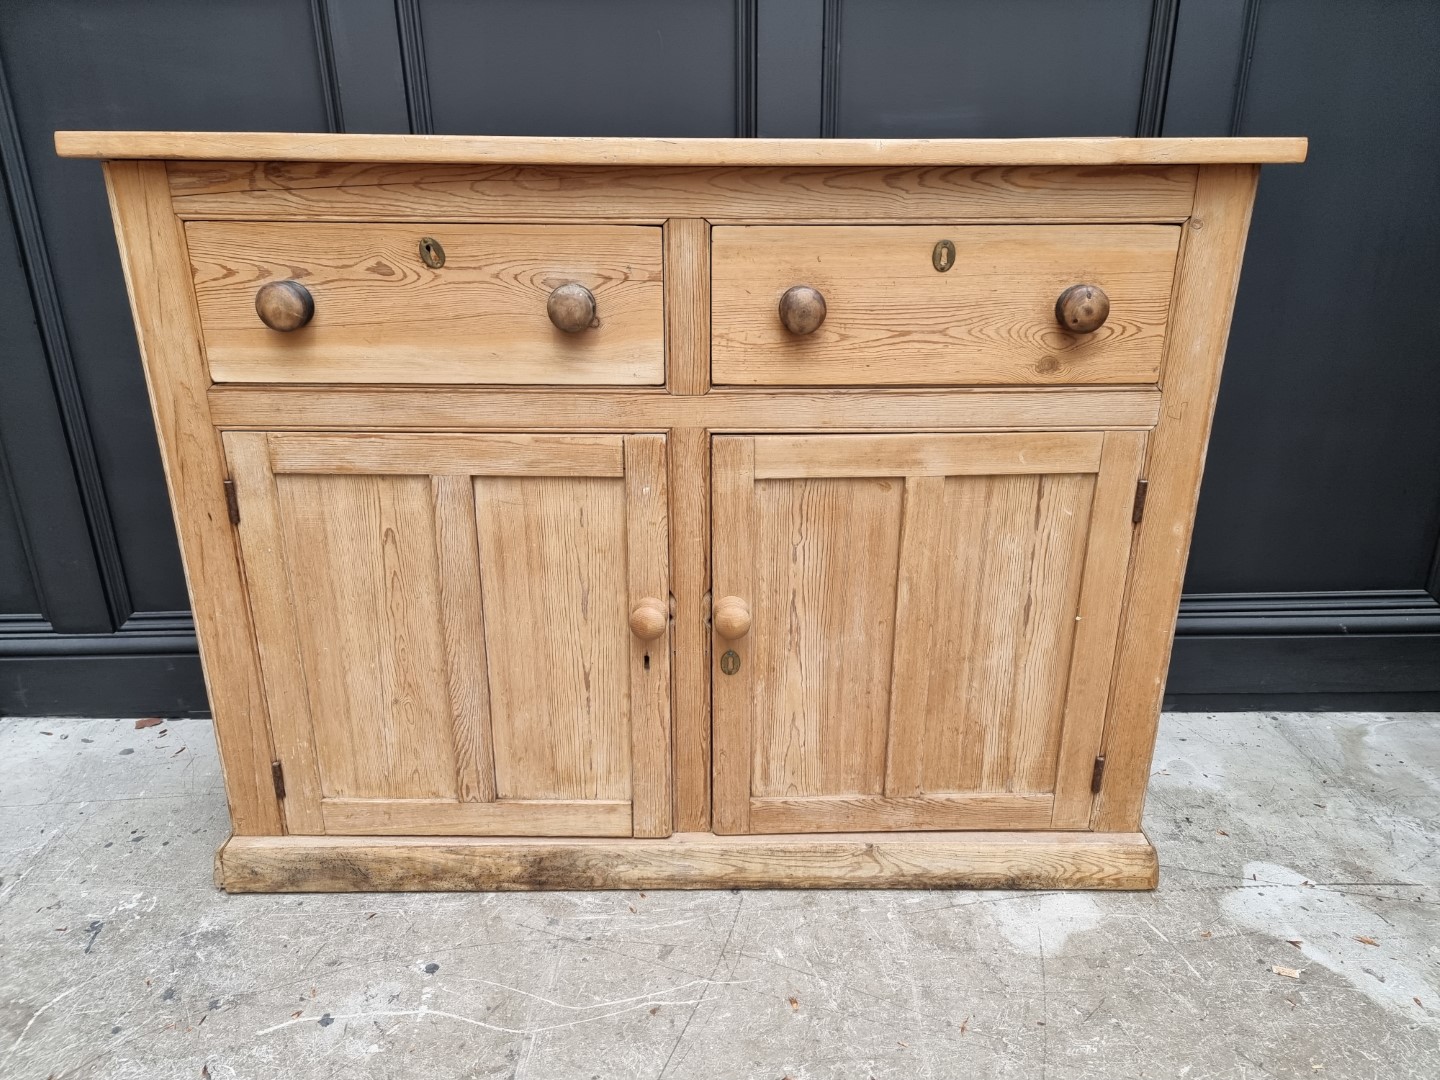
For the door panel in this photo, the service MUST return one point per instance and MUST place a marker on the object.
(443, 629)
(933, 622)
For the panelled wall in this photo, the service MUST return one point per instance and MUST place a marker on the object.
(1313, 578)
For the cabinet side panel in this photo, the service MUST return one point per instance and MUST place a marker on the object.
(553, 573)
(157, 273)
(1209, 271)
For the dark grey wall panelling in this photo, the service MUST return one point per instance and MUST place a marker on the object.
(1313, 578)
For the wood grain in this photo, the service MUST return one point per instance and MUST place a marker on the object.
(553, 571)
(153, 256)
(533, 150)
(647, 554)
(892, 320)
(1204, 298)
(508, 817)
(687, 305)
(1107, 561)
(459, 409)
(691, 861)
(783, 457)
(885, 813)
(382, 315)
(732, 542)
(689, 451)
(434, 455)
(265, 191)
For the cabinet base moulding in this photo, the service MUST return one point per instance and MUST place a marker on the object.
(993, 860)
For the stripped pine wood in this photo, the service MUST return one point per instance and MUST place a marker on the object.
(362, 568)
(647, 547)
(732, 530)
(430, 455)
(285, 146)
(689, 452)
(383, 316)
(786, 457)
(979, 860)
(553, 572)
(1106, 563)
(687, 305)
(1204, 298)
(825, 554)
(463, 622)
(893, 320)
(276, 636)
(245, 191)
(510, 817)
(153, 256)
(883, 813)
(460, 409)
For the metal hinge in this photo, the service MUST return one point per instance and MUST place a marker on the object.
(1098, 775)
(1141, 487)
(277, 774)
(232, 502)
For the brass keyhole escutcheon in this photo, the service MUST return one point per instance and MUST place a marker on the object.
(730, 662)
(431, 253)
(943, 257)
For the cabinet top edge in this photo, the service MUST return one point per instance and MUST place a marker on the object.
(513, 150)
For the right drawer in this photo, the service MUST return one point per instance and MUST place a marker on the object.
(941, 305)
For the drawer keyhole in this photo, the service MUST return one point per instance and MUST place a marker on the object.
(943, 257)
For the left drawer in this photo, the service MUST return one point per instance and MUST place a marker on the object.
(418, 303)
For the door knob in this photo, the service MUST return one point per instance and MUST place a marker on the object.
(571, 308)
(732, 618)
(1082, 309)
(649, 619)
(802, 309)
(284, 305)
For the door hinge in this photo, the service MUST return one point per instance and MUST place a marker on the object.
(232, 502)
(277, 774)
(1141, 487)
(1098, 775)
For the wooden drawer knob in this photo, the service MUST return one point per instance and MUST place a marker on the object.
(649, 618)
(284, 305)
(732, 618)
(802, 309)
(1082, 309)
(571, 308)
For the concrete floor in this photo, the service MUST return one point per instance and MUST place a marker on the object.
(1304, 842)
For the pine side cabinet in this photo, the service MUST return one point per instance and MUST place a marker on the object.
(628, 513)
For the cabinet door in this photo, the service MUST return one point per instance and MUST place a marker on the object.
(915, 631)
(444, 628)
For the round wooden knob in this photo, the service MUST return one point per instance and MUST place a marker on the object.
(802, 309)
(732, 618)
(649, 619)
(284, 305)
(571, 308)
(1082, 309)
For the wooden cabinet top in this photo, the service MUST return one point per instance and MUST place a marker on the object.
(507, 150)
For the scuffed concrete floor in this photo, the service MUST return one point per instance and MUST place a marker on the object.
(1285, 840)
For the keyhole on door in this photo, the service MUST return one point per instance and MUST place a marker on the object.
(647, 661)
(943, 257)
(730, 662)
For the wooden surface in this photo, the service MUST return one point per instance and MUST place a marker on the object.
(154, 258)
(383, 316)
(460, 409)
(1204, 298)
(875, 584)
(921, 631)
(406, 597)
(282, 146)
(892, 319)
(321, 191)
(690, 861)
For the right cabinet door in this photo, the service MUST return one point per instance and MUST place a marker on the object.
(915, 631)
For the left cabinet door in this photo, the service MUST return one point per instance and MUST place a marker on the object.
(444, 624)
